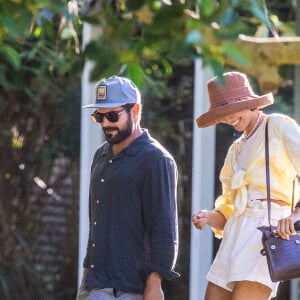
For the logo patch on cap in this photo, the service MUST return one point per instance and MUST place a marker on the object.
(101, 92)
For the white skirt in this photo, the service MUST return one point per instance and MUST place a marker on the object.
(239, 257)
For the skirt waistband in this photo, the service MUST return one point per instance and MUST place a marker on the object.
(279, 202)
(259, 209)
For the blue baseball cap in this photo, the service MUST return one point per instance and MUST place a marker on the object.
(115, 91)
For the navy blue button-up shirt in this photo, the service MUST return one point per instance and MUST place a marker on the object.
(133, 216)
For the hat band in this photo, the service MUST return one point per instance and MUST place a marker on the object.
(236, 97)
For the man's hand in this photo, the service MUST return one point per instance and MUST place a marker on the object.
(153, 290)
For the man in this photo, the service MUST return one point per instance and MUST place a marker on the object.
(133, 236)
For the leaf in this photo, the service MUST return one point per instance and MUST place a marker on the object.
(260, 13)
(236, 53)
(206, 7)
(217, 64)
(37, 31)
(135, 72)
(12, 56)
(10, 25)
(211, 11)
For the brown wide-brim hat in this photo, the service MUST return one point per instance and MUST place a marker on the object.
(234, 96)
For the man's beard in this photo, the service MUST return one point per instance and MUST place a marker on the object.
(121, 134)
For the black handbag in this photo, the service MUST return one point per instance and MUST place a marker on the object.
(283, 256)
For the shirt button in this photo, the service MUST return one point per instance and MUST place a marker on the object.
(102, 180)
(92, 266)
(93, 245)
(110, 161)
(97, 201)
(95, 223)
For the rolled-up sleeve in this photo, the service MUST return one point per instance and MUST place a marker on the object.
(160, 216)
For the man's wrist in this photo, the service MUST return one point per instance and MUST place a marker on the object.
(154, 279)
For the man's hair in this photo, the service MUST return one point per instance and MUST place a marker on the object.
(129, 106)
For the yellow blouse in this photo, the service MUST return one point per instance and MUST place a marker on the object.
(241, 184)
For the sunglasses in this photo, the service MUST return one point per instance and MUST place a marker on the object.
(111, 116)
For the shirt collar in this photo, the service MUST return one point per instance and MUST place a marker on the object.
(138, 143)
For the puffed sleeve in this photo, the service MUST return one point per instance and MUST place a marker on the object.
(291, 135)
(224, 203)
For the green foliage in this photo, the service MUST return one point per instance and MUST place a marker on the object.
(152, 36)
(40, 71)
(151, 41)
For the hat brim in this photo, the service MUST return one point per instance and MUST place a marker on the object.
(215, 116)
(103, 105)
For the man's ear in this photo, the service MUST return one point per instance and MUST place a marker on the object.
(136, 109)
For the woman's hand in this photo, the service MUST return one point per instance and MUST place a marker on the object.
(212, 218)
(285, 226)
(200, 219)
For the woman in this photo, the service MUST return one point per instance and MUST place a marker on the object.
(239, 270)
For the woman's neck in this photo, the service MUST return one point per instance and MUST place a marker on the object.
(259, 119)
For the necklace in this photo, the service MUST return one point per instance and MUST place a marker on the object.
(257, 123)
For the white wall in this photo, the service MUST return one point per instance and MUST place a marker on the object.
(203, 175)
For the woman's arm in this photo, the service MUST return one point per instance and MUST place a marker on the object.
(212, 218)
